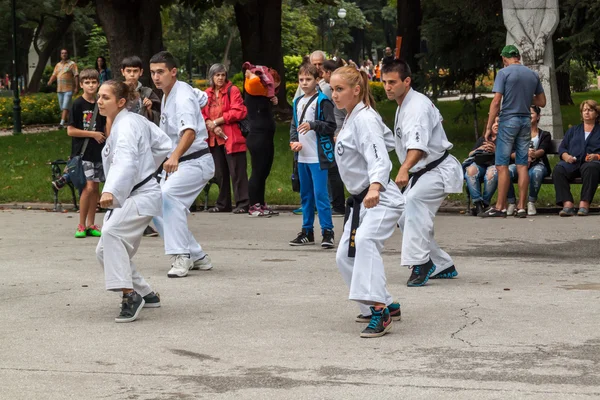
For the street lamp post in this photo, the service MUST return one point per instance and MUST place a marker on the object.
(15, 81)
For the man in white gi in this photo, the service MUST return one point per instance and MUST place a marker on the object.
(188, 168)
(428, 174)
(133, 150)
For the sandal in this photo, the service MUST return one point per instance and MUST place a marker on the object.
(240, 210)
(215, 210)
(583, 212)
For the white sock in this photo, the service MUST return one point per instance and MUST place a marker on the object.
(62, 121)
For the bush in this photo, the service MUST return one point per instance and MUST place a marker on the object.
(40, 108)
(44, 88)
(579, 77)
(378, 91)
(291, 65)
(200, 84)
(237, 79)
(290, 91)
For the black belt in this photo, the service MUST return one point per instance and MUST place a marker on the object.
(412, 181)
(191, 156)
(353, 203)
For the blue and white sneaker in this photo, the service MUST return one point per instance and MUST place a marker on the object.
(393, 308)
(448, 273)
(380, 324)
(297, 211)
(420, 274)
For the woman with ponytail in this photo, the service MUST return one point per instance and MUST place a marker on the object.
(375, 204)
(133, 151)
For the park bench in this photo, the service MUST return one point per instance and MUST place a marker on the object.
(57, 167)
(547, 180)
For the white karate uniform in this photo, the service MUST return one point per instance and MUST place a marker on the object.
(181, 111)
(133, 151)
(362, 157)
(418, 126)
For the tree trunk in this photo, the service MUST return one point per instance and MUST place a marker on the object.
(354, 48)
(564, 88)
(226, 62)
(50, 47)
(409, 22)
(259, 23)
(132, 28)
(475, 120)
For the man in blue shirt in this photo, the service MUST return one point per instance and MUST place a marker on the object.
(516, 88)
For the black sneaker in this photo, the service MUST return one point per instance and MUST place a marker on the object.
(420, 274)
(521, 213)
(393, 308)
(59, 183)
(328, 241)
(479, 208)
(131, 306)
(380, 324)
(150, 232)
(448, 273)
(304, 238)
(492, 212)
(152, 300)
(338, 212)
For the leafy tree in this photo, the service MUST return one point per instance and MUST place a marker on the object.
(298, 33)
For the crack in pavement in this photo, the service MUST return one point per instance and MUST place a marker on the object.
(465, 312)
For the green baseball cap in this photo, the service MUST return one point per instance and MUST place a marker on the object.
(510, 51)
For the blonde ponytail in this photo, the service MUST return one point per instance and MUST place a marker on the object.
(354, 77)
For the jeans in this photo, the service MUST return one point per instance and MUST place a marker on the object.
(475, 175)
(536, 176)
(313, 189)
(513, 133)
(64, 100)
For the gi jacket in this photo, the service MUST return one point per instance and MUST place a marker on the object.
(324, 126)
(133, 151)
(574, 143)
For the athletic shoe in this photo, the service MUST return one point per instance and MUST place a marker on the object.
(131, 306)
(479, 207)
(521, 213)
(448, 273)
(297, 211)
(511, 209)
(491, 213)
(393, 308)
(583, 212)
(202, 264)
(81, 232)
(380, 324)
(152, 300)
(567, 212)
(268, 211)
(180, 267)
(94, 231)
(256, 211)
(338, 212)
(59, 183)
(328, 241)
(420, 274)
(304, 238)
(150, 232)
(531, 210)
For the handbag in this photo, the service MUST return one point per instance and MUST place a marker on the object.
(295, 177)
(244, 124)
(75, 164)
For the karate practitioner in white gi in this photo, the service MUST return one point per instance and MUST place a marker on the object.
(134, 149)
(189, 166)
(375, 205)
(428, 174)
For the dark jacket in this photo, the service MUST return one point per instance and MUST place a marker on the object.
(324, 126)
(574, 143)
(546, 145)
(154, 113)
(260, 114)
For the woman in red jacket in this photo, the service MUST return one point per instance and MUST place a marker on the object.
(224, 109)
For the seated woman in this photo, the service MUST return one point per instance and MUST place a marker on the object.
(579, 152)
(484, 171)
(539, 167)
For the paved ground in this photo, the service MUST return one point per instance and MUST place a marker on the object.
(522, 320)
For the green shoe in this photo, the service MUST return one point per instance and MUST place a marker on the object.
(80, 232)
(94, 231)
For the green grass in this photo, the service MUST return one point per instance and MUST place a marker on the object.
(25, 175)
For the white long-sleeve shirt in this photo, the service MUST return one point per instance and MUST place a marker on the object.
(133, 151)
(362, 150)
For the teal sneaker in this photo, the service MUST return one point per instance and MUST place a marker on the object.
(448, 273)
(94, 231)
(80, 232)
(394, 309)
(297, 211)
(380, 324)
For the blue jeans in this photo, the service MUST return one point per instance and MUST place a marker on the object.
(513, 133)
(536, 176)
(488, 176)
(64, 100)
(313, 189)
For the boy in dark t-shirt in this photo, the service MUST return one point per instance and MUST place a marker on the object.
(80, 118)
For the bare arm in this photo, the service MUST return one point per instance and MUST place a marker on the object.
(80, 133)
(539, 100)
(412, 158)
(494, 111)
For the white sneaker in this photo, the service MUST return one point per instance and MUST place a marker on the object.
(203, 264)
(180, 267)
(511, 209)
(531, 210)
